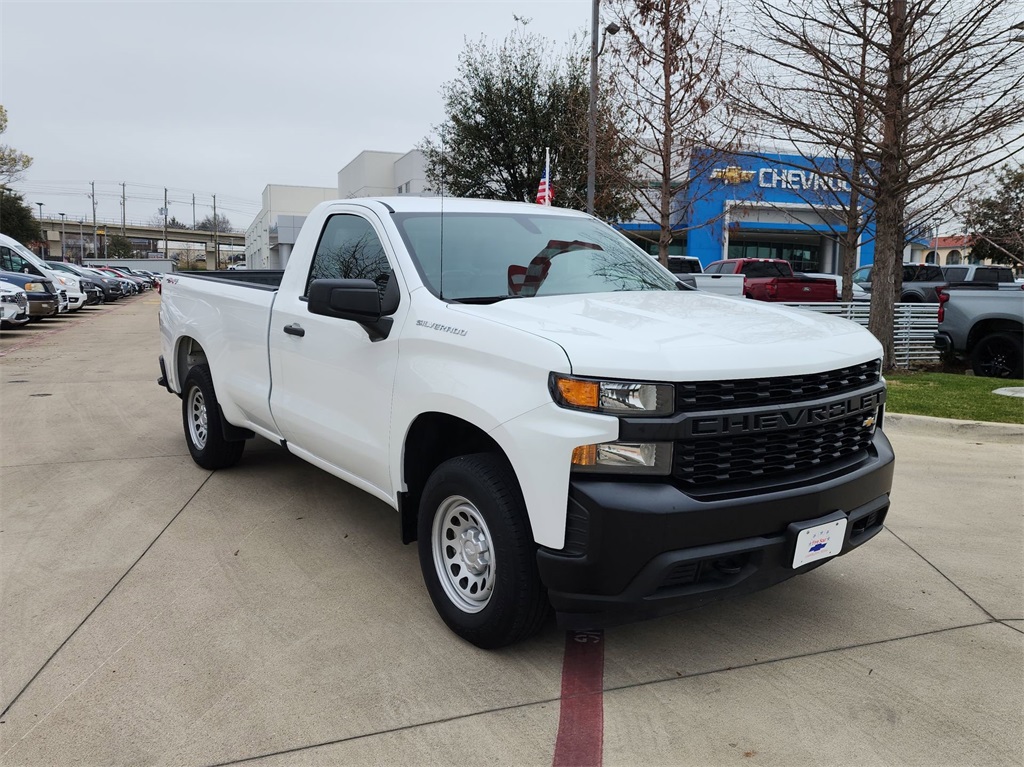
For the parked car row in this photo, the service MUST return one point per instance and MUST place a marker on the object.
(32, 289)
(922, 282)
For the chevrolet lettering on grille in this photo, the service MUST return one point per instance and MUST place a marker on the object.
(780, 418)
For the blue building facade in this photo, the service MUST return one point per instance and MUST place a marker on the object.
(768, 206)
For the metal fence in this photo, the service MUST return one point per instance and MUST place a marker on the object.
(914, 327)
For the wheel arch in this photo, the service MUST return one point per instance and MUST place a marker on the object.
(989, 326)
(432, 439)
(188, 353)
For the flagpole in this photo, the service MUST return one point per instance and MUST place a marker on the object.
(547, 174)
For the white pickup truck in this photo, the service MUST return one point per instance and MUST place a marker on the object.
(555, 417)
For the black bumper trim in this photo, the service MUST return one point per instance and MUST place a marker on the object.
(649, 549)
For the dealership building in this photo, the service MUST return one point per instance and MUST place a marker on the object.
(770, 206)
(767, 206)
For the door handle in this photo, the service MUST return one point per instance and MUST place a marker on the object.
(295, 329)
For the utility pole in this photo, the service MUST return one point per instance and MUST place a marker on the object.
(63, 256)
(216, 245)
(167, 249)
(193, 211)
(81, 243)
(92, 196)
(123, 207)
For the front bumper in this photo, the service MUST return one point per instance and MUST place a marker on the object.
(641, 549)
(46, 308)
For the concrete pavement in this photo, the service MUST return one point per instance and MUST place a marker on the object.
(153, 613)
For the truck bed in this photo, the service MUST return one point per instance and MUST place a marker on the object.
(265, 279)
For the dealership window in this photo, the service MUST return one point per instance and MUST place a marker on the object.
(803, 258)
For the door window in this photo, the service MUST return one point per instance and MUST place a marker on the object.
(349, 249)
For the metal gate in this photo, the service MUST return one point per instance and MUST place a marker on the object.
(914, 327)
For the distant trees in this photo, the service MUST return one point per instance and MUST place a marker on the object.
(119, 247)
(16, 217)
(507, 104)
(995, 221)
(223, 224)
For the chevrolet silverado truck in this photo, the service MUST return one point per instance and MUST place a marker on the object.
(772, 279)
(556, 419)
(985, 324)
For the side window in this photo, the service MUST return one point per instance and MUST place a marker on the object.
(956, 274)
(12, 262)
(862, 275)
(349, 249)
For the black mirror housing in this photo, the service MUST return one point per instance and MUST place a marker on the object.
(356, 300)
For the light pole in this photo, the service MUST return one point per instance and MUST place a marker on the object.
(81, 243)
(611, 29)
(42, 233)
(63, 257)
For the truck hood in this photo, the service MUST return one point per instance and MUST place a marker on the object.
(684, 335)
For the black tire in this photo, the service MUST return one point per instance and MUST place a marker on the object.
(200, 414)
(999, 355)
(483, 581)
(910, 298)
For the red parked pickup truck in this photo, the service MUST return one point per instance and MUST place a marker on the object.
(772, 279)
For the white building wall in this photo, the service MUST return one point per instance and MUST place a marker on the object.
(269, 238)
(370, 174)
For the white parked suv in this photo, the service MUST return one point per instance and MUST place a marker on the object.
(13, 304)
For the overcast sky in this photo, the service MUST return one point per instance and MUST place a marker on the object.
(226, 97)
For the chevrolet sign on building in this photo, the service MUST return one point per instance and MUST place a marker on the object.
(771, 206)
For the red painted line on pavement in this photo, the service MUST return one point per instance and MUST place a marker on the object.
(580, 740)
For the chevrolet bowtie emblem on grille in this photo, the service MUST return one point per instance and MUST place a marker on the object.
(732, 174)
(868, 422)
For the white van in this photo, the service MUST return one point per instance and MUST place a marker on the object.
(15, 257)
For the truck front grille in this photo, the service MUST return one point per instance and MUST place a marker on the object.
(753, 392)
(707, 461)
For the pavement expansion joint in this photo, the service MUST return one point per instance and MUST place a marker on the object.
(951, 582)
(88, 615)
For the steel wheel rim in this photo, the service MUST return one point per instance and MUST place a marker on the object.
(463, 554)
(198, 427)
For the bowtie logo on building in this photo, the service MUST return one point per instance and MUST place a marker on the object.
(732, 174)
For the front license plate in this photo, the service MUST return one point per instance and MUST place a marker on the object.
(819, 542)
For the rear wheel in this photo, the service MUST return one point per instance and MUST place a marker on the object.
(477, 553)
(201, 417)
(999, 355)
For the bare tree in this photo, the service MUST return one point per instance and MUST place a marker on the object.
(12, 162)
(917, 96)
(671, 77)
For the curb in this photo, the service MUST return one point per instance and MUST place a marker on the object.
(929, 426)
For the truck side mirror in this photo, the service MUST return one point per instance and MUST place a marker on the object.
(356, 300)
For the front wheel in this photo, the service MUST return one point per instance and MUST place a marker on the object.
(201, 417)
(999, 355)
(477, 553)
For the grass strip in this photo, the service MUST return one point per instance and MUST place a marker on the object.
(952, 395)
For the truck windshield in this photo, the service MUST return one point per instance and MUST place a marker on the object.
(490, 257)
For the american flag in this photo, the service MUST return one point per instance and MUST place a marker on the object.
(545, 192)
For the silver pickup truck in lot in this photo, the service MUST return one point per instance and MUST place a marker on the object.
(557, 420)
(985, 324)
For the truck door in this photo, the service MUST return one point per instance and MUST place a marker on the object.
(331, 385)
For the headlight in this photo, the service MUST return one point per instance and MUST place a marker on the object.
(64, 281)
(613, 397)
(34, 287)
(9, 298)
(624, 458)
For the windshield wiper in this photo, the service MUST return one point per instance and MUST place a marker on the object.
(480, 299)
